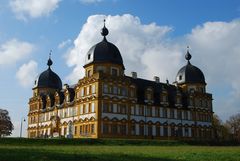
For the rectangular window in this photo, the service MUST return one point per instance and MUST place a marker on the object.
(93, 88)
(92, 128)
(81, 130)
(124, 91)
(105, 107)
(88, 90)
(82, 91)
(165, 131)
(115, 90)
(133, 129)
(149, 111)
(110, 107)
(114, 129)
(114, 72)
(186, 132)
(179, 114)
(172, 113)
(132, 93)
(123, 108)
(185, 115)
(165, 113)
(105, 128)
(173, 131)
(86, 108)
(93, 107)
(105, 88)
(86, 129)
(141, 130)
(81, 109)
(164, 98)
(115, 108)
(140, 110)
(132, 110)
(89, 73)
(75, 130)
(149, 130)
(65, 131)
(157, 112)
(157, 130)
(123, 129)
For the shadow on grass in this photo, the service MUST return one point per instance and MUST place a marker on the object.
(15, 154)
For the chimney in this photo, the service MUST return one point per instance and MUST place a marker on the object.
(156, 79)
(167, 81)
(134, 75)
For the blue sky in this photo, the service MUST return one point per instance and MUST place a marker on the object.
(28, 33)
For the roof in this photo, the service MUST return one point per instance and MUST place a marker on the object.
(104, 52)
(190, 73)
(158, 88)
(48, 79)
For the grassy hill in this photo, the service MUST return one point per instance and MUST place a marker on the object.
(114, 150)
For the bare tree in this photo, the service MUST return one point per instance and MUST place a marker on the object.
(221, 130)
(6, 125)
(234, 124)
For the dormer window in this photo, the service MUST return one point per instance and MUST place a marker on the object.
(89, 73)
(89, 56)
(114, 71)
(180, 77)
(149, 94)
(164, 98)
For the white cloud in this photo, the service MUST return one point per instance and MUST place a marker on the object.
(216, 49)
(149, 50)
(145, 42)
(27, 73)
(33, 8)
(90, 1)
(13, 51)
(63, 44)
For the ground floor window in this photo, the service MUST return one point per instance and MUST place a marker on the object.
(165, 131)
(92, 128)
(123, 129)
(105, 128)
(133, 129)
(157, 130)
(141, 130)
(149, 130)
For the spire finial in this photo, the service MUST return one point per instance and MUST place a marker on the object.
(49, 63)
(188, 56)
(104, 30)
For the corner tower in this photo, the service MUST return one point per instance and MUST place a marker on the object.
(104, 57)
(190, 77)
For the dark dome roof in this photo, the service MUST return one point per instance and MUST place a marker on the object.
(48, 79)
(190, 73)
(104, 52)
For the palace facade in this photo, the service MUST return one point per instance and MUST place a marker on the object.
(108, 104)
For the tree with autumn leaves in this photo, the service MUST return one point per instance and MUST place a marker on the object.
(6, 125)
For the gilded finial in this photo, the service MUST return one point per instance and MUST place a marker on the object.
(49, 63)
(188, 56)
(104, 30)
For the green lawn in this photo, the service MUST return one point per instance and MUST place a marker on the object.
(41, 150)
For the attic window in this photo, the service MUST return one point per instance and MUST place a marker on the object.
(180, 77)
(89, 56)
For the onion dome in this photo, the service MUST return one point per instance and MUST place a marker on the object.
(48, 79)
(104, 52)
(190, 73)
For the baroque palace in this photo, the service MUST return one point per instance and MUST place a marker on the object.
(108, 104)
